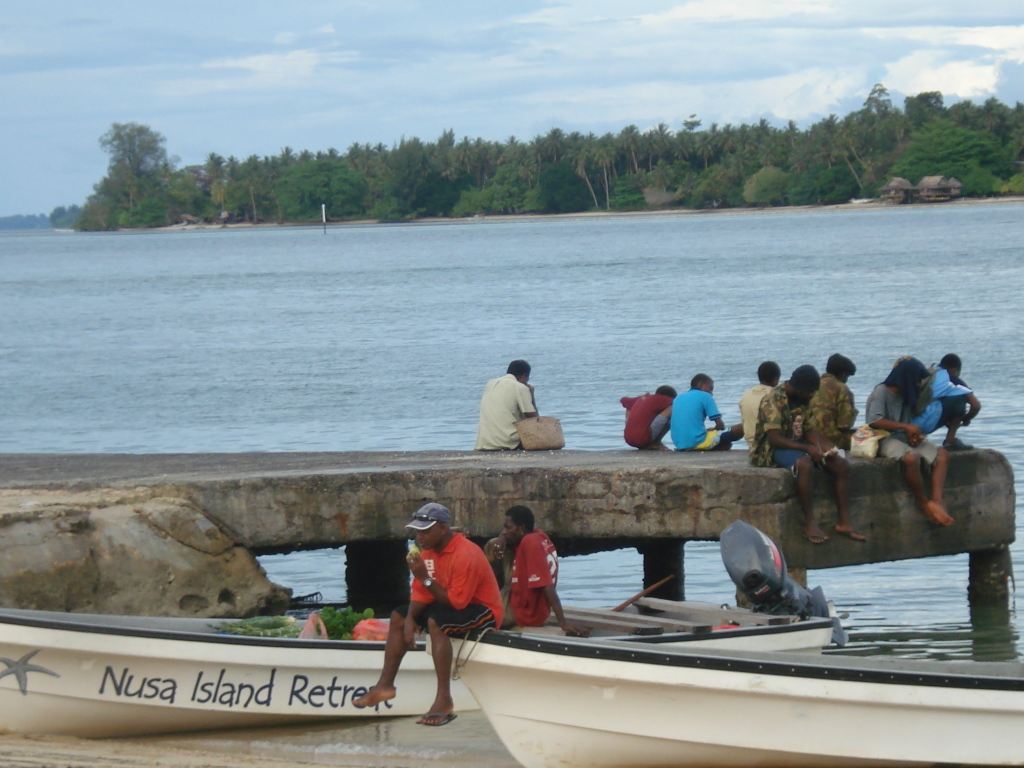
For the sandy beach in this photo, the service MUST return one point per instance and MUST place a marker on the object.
(858, 205)
(378, 743)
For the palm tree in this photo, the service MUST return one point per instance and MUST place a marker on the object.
(629, 140)
(580, 156)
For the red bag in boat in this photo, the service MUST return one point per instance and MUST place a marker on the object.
(371, 629)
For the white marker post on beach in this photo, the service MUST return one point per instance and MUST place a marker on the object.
(323, 215)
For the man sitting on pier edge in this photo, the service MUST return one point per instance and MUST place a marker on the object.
(891, 407)
(454, 592)
(783, 438)
(768, 375)
(832, 405)
(526, 565)
(506, 400)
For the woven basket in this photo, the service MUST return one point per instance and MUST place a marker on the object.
(540, 433)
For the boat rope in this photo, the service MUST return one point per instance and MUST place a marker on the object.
(460, 662)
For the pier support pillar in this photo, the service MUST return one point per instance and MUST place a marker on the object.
(376, 575)
(990, 574)
(664, 557)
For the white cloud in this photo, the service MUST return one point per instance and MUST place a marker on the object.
(720, 12)
(1007, 41)
(797, 96)
(928, 70)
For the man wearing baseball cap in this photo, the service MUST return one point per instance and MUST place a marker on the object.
(454, 592)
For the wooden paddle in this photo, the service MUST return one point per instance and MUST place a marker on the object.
(644, 593)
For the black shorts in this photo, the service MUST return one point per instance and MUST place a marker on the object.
(454, 622)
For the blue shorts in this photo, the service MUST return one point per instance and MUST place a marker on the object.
(787, 457)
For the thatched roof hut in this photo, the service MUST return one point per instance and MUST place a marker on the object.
(898, 190)
(933, 189)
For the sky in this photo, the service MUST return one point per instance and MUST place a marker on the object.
(253, 77)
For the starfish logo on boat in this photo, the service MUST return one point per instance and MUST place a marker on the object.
(21, 668)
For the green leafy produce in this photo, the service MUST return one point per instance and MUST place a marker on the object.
(264, 626)
(341, 621)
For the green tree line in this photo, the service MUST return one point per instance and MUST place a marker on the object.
(831, 161)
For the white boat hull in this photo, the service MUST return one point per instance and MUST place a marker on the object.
(101, 675)
(613, 706)
(89, 682)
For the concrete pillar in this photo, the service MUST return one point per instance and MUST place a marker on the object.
(376, 575)
(664, 557)
(990, 574)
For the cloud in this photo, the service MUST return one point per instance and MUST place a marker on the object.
(928, 70)
(293, 69)
(1007, 41)
(718, 12)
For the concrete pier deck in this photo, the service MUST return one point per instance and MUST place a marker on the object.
(586, 500)
(282, 501)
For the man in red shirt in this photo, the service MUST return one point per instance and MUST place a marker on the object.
(454, 592)
(648, 418)
(533, 576)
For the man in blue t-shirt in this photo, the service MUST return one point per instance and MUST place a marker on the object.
(690, 413)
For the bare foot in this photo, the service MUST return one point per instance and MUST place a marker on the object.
(937, 514)
(814, 534)
(850, 533)
(376, 695)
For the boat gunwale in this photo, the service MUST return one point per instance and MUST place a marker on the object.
(805, 625)
(183, 635)
(91, 623)
(775, 663)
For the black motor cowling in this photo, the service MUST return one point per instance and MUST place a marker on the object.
(758, 569)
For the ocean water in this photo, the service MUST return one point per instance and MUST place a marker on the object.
(380, 338)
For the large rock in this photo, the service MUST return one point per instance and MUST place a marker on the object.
(124, 551)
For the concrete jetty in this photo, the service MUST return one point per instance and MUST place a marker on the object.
(230, 507)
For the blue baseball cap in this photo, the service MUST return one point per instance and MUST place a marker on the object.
(428, 515)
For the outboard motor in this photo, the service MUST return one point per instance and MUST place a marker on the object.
(758, 569)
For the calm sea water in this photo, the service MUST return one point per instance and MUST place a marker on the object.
(380, 338)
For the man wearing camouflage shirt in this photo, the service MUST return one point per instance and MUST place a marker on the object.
(784, 438)
(832, 405)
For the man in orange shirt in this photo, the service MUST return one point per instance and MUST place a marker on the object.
(454, 592)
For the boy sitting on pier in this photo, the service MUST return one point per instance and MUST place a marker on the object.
(648, 418)
(953, 404)
(690, 413)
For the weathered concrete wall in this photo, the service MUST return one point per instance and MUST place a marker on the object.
(587, 501)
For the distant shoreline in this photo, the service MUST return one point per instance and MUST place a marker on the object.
(868, 204)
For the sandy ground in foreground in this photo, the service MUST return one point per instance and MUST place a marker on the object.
(467, 742)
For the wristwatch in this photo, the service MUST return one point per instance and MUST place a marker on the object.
(428, 582)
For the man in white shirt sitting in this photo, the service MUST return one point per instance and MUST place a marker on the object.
(506, 400)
